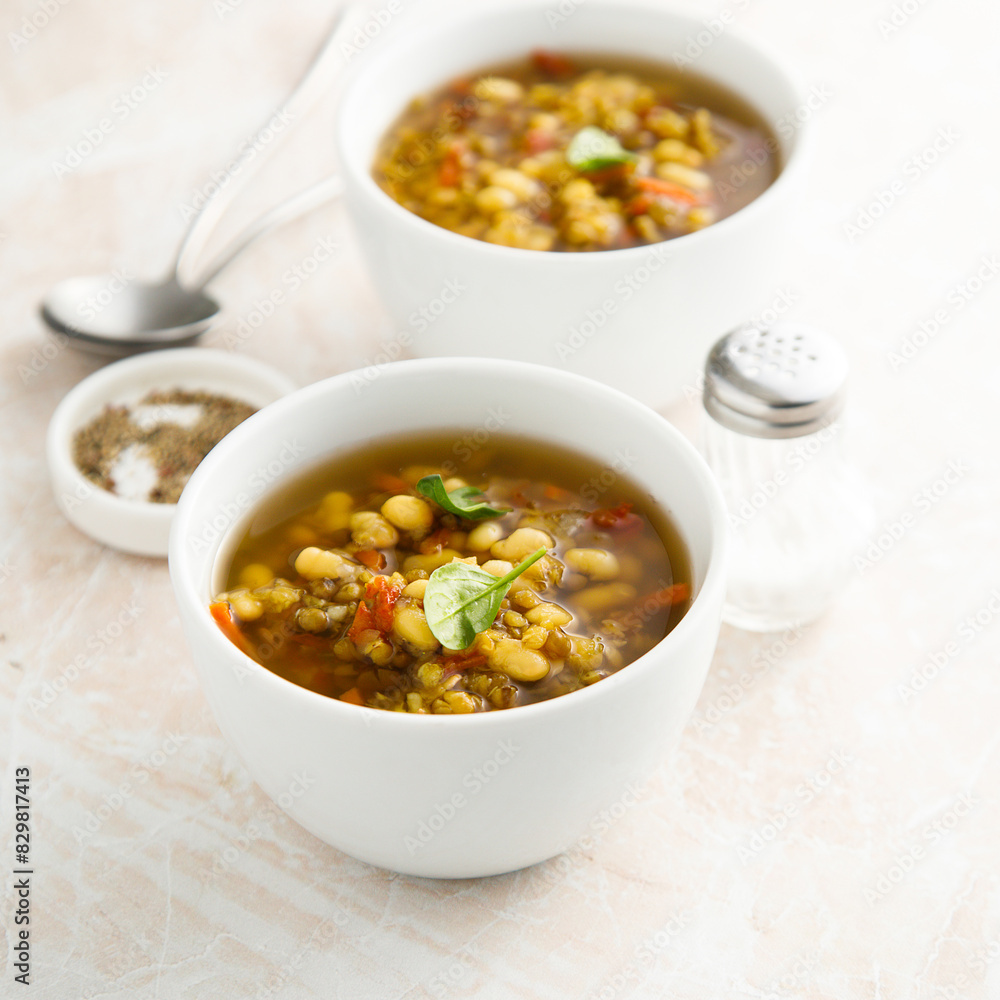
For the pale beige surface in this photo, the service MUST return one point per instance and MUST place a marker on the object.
(191, 884)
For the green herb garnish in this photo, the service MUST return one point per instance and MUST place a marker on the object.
(459, 501)
(462, 600)
(594, 149)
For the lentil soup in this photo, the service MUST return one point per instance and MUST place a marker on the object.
(577, 153)
(326, 588)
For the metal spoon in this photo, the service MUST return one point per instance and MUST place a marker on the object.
(115, 314)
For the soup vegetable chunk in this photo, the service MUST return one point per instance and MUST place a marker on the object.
(554, 153)
(401, 585)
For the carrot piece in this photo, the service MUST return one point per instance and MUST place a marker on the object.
(655, 186)
(553, 492)
(371, 558)
(222, 612)
(669, 596)
(353, 697)
(434, 543)
(638, 206)
(390, 483)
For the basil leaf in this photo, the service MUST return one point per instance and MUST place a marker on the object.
(462, 600)
(459, 501)
(594, 149)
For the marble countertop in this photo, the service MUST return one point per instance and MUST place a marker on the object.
(827, 827)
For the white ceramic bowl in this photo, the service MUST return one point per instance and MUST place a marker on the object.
(428, 795)
(641, 319)
(132, 525)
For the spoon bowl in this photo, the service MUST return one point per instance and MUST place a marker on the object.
(113, 314)
(109, 314)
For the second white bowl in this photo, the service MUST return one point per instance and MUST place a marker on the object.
(641, 319)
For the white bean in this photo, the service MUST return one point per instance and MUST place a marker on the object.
(408, 513)
(518, 663)
(315, 564)
(247, 608)
(411, 626)
(430, 562)
(484, 535)
(497, 567)
(520, 544)
(604, 597)
(598, 564)
(549, 615)
(372, 530)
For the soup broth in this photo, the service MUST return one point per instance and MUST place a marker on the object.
(575, 153)
(326, 586)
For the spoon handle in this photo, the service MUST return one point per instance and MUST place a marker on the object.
(310, 87)
(298, 205)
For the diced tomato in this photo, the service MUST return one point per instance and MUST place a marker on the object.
(668, 190)
(552, 63)
(618, 519)
(363, 620)
(375, 612)
(450, 172)
(383, 595)
(609, 517)
(450, 169)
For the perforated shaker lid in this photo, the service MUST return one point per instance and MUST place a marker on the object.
(779, 381)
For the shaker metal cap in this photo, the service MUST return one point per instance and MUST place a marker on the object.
(778, 381)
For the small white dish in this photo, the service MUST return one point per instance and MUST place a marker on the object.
(139, 526)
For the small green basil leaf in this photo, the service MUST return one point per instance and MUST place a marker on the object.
(462, 600)
(594, 149)
(459, 501)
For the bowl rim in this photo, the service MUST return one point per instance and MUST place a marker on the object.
(434, 29)
(182, 560)
(113, 381)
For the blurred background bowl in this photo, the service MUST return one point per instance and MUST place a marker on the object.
(640, 319)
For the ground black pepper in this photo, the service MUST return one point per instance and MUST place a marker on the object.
(172, 449)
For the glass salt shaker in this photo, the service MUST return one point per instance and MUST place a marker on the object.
(774, 440)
